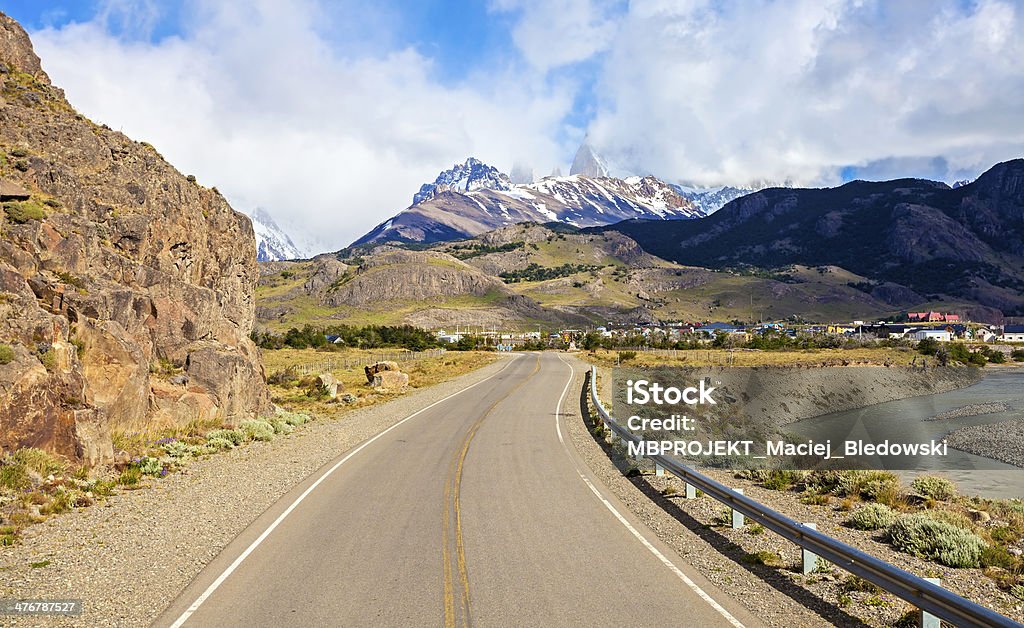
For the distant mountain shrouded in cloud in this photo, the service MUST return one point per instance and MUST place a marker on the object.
(356, 104)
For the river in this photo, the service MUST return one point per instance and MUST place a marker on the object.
(904, 421)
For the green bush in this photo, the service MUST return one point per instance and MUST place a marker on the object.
(872, 517)
(49, 359)
(6, 354)
(995, 556)
(257, 430)
(1017, 355)
(934, 487)
(923, 536)
(150, 466)
(235, 437)
(24, 211)
(292, 418)
(219, 443)
(130, 476)
(781, 480)
(37, 460)
(281, 426)
(1017, 591)
(14, 477)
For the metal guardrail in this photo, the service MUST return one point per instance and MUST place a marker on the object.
(925, 595)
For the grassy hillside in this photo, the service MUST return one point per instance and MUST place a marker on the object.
(529, 276)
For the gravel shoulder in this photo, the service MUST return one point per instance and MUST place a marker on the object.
(777, 593)
(128, 557)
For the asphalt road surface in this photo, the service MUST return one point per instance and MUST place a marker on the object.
(475, 511)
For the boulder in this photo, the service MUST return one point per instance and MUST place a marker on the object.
(378, 367)
(390, 380)
(328, 385)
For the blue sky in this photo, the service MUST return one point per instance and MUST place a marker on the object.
(329, 115)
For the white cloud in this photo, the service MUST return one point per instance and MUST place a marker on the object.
(554, 33)
(318, 113)
(728, 92)
(256, 100)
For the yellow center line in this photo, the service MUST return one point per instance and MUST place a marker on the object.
(451, 496)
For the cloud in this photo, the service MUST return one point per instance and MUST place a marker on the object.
(739, 91)
(329, 135)
(555, 33)
(320, 113)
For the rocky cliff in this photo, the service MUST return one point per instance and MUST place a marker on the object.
(126, 289)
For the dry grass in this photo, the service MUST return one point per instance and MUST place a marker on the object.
(422, 373)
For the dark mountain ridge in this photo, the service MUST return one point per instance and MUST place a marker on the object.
(966, 242)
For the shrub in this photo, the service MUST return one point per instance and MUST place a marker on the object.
(293, 418)
(1017, 591)
(49, 359)
(14, 477)
(6, 354)
(130, 476)
(257, 430)
(24, 211)
(872, 517)
(151, 466)
(781, 480)
(37, 460)
(235, 437)
(923, 536)
(1017, 355)
(995, 556)
(62, 501)
(625, 356)
(281, 426)
(219, 443)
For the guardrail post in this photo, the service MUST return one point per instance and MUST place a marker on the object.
(927, 619)
(737, 517)
(659, 470)
(691, 491)
(810, 559)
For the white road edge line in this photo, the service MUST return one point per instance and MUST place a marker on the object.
(640, 537)
(238, 561)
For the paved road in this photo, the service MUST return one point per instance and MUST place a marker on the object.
(473, 512)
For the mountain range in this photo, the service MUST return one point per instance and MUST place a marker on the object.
(472, 198)
(963, 243)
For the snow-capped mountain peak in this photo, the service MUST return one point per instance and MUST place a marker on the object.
(272, 243)
(481, 198)
(465, 177)
(588, 163)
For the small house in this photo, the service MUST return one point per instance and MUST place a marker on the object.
(1012, 333)
(937, 333)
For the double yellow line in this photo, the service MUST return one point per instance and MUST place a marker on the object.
(452, 510)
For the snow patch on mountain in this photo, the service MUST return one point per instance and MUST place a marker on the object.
(466, 177)
(272, 243)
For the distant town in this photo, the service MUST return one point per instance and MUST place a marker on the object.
(913, 326)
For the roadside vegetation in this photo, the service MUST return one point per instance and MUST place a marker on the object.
(928, 519)
(35, 485)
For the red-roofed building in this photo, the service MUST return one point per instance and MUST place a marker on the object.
(952, 318)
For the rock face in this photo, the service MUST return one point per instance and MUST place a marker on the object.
(126, 290)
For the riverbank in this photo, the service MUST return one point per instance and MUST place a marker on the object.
(1000, 441)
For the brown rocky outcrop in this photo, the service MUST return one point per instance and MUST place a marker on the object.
(126, 290)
